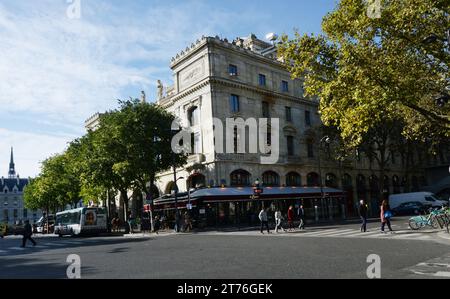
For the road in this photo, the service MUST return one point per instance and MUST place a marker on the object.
(318, 252)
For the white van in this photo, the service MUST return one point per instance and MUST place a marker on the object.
(426, 198)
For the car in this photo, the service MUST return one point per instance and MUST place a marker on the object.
(411, 208)
(39, 226)
(426, 198)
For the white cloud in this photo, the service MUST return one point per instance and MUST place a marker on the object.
(59, 71)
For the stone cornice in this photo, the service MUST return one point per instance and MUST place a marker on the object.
(168, 102)
(225, 44)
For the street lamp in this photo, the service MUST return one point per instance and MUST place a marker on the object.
(325, 139)
(177, 216)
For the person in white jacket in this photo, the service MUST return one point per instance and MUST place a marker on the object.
(264, 220)
(278, 219)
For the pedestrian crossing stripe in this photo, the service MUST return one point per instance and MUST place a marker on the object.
(320, 233)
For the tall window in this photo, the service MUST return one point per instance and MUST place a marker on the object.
(310, 149)
(288, 112)
(290, 145)
(265, 109)
(293, 179)
(240, 177)
(193, 116)
(233, 70)
(234, 103)
(262, 80)
(235, 139)
(271, 179)
(196, 146)
(307, 118)
(284, 86)
(25, 213)
(393, 161)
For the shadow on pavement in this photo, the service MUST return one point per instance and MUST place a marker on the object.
(10, 248)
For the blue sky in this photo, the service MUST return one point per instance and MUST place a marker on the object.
(56, 71)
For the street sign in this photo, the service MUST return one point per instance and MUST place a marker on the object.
(189, 206)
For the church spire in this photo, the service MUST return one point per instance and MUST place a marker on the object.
(12, 168)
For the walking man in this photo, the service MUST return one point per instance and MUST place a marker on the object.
(363, 210)
(28, 232)
(301, 215)
(264, 220)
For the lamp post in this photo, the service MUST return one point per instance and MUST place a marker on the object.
(177, 214)
(325, 139)
(257, 190)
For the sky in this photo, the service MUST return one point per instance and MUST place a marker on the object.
(61, 61)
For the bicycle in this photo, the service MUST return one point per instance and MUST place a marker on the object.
(418, 222)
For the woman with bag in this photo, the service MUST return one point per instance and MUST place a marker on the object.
(385, 215)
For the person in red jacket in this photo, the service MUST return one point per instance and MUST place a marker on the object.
(290, 217)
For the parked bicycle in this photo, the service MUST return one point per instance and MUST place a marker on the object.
(432, 220)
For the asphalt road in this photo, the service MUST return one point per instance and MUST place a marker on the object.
(321, 252)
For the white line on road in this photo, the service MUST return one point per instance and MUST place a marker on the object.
(442, 274)
(322, 233)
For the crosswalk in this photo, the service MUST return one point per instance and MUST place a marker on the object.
(399, 234)
(13, 245)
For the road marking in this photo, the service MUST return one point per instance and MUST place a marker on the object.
(442, 274)
(320, 233)
(348, 233)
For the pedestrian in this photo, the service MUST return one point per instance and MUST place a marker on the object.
(385, 216)
(363, 210)
(301, 216)
(290, 216)
(130, 223)
(187, 222)
(157, 224)
(278, 221)
(264, 220)
(27, 233)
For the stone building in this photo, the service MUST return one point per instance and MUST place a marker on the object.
(217, 78)
(12, 209)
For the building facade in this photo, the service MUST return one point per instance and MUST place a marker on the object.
(219, 79)
(12, 208)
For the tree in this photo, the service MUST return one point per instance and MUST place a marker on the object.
(368, 70)
(130, 146)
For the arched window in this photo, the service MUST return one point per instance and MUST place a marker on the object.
(170, 187)
(331, 180)
(194, 116)
(293, 179)
(312, 180)
(347, 181)
(374, 184)
(361, 188)
(386, 183)
(396, 184)
(240, 178)
(271, 179)
(196, 180)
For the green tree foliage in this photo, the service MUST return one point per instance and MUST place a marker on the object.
(367, 70)
(56, 186)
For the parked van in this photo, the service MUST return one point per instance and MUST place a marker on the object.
(426, 198)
